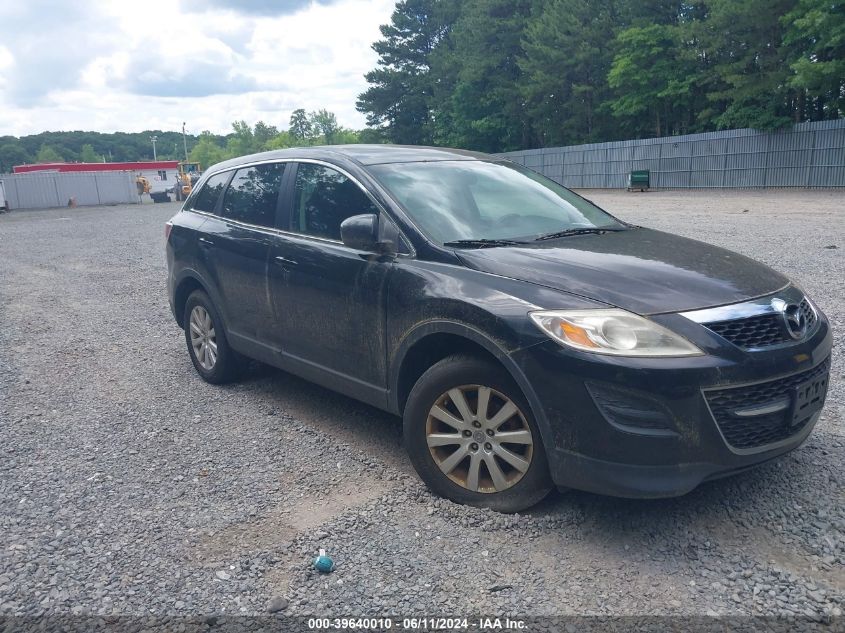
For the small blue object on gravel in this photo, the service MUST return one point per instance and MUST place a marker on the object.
(323, 563)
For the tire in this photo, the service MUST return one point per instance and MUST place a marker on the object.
(226, 363)
(512, 489)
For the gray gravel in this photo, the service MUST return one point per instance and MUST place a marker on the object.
(129, 486)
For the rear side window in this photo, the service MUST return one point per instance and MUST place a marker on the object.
(323, 198)
(253, 194)
(206, 199)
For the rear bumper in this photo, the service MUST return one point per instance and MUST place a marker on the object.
(655, 434)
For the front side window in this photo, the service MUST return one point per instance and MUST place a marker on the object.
(253, 194)
(323, 198)
(206, 199)
(480, 200)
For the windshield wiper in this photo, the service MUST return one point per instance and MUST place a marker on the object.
(568, 232)
(482, 243)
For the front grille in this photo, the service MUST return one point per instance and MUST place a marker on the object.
(760, 330)
(809, 314)
(755, 331)
(759, 430)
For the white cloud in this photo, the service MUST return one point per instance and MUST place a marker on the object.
(109, 69)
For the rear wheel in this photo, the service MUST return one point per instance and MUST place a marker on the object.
(208, 347)
(471, 436)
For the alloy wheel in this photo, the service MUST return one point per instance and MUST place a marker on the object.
(479, 438)
(203, 338)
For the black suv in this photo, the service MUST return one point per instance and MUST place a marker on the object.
(527, 338)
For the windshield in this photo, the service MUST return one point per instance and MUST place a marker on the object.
(480, 200)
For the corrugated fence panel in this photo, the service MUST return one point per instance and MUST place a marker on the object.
(43, 190)
(117, 189)
(35, 191)
(82, 187)
(829, 157)
(703, 163)
(823, 176)
(831, 138)
(808, 155)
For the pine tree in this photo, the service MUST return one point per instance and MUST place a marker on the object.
(478, 104)
(399, 98)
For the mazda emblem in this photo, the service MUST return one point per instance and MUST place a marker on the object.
(796, 321)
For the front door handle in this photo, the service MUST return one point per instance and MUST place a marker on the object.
(205, 242)
(284, 261)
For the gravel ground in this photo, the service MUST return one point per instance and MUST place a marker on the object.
(129, 486)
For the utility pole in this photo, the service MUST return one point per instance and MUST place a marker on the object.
(154, 138)
(184, 142)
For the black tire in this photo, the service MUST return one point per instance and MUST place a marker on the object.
(228, 363)
(456, 371)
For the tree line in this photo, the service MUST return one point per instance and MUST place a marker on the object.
(497, 75)
(92, 147)
(314, 128)
(318, 127)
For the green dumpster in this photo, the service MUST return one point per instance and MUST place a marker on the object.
(639, 179)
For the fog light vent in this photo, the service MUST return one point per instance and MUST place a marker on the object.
(630, 411)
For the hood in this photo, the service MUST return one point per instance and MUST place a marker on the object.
(640, 270)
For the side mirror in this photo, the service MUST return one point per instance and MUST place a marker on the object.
(361, 232)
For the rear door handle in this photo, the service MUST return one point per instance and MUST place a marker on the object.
(283, 261)
(205, 242)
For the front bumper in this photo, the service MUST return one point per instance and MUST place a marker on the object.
(655, 434)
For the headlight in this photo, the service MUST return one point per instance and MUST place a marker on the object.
(612, 331)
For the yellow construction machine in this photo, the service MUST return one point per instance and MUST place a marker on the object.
(143, 185)
(189, 173)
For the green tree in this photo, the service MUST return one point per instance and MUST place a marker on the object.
(746, 75)
(567, 54)
(401, 86)
(207, 152)
(654, 80)
(88, 155)
(300, 127)
(324, 123)
(373, 136)
(263, 133)
(12, 154)
(48, 154)
(280, 141)
(815, 33)
(242, 140)
(344, 136)
(478, 102)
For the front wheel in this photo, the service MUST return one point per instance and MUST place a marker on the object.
(471, 436)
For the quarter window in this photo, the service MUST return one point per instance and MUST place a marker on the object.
(253, 195)
(323, 198)
(206, 199)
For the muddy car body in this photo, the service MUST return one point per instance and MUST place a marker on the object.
(572, 351)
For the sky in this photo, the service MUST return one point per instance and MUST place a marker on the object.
(150, 65)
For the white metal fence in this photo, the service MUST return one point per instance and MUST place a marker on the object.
(41, 190)
(807, 155)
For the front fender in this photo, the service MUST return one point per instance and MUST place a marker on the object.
(428, 298)
(493, 347)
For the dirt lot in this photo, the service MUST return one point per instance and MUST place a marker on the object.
(129, 486)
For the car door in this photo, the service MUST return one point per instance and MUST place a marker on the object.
(328, 299)
(237, 240)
